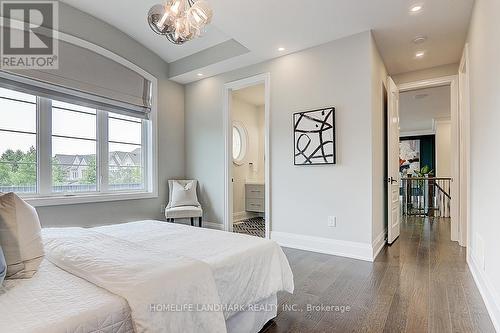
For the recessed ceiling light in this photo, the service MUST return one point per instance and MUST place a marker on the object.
(200, 74)
(419, 54)
(416, 8)
(419, 39)
(281, 49)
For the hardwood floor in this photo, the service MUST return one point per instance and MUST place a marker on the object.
(419, 284)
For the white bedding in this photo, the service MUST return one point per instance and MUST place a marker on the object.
(245, 268)
(58, 302)
(147, 278)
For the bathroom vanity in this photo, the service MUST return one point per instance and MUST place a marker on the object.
(255, 197)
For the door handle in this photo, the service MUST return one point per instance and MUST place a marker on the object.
(391, 180)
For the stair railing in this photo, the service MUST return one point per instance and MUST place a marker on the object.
(426, 196)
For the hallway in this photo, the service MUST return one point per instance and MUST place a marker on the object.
(435, 288)
(419, 284)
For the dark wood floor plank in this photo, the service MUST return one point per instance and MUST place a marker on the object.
(419, 284)
(320, 279)
(353, 294)
(439, 311)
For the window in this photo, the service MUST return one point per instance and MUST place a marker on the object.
(125, 153)
(239, 143)
(74, 146)
(53, 149)
(18, 157)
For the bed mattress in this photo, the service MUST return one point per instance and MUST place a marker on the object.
(246, 269)
(55, 301)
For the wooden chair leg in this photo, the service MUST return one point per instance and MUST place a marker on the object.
(199, 222)
(192, 221)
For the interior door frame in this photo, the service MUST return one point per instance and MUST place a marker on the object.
(464, 107)
(451, 81)
(229, 87)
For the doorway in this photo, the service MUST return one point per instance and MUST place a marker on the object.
(429, 174)
(247, 176)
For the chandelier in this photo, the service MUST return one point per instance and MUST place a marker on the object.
(180, 20)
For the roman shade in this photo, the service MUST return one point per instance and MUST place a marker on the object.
(88, 78)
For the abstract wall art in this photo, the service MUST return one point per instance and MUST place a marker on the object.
(409, 157)
(314, 137)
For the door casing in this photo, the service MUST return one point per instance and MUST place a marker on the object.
(265, 79)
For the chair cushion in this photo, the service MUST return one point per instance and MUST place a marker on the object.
(184, 194)
(183, 212)
(3, 267)
(20, 237)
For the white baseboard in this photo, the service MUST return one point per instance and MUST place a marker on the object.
(212, 225)
(240, 216)
(379, 243)
(355, 250)
(490, 297)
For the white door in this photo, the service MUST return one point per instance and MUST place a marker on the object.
(393, 178)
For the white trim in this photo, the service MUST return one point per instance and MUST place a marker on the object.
(431, 131)
(152, 144)
(436, 82)
(212, 225)
(452, 81)
(102, 150)
(44, 145)
(417, 133)
(265, 79)
(487, 291)
(436, 122)
(355, 250)
(239, 216)
(71, 199)
(242, 130)
(464, 115)
(379, 243)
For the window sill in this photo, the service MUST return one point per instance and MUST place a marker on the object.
(57, 200)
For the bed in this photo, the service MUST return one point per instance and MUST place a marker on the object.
(246, 271)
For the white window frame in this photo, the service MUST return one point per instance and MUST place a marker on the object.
(44, 177)
(45, 195)
(242, 131)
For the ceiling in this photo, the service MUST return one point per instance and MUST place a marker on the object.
(254, 95)
(263, 26)
(419, 108)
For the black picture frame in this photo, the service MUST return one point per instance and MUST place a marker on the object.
(316, 127)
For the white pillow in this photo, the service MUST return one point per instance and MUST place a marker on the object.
(184, 195)
(20, 236)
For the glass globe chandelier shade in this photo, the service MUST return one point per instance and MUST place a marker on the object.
(200, 14)
(180, 20)
(155, 16)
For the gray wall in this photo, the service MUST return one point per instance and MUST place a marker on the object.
(484, 71)
(334, 74)
(170, 127)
